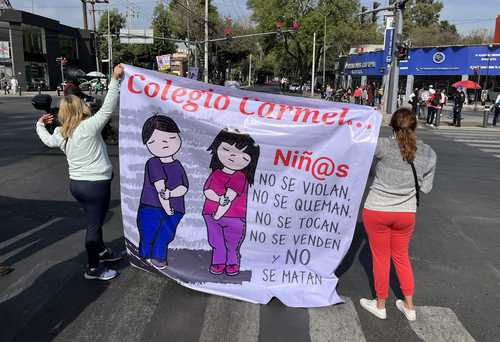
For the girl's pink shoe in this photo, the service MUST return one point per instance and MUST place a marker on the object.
(232, 270)
(217, 269)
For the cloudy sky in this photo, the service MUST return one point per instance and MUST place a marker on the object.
(466, 14)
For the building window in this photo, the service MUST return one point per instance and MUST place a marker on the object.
(35, 49)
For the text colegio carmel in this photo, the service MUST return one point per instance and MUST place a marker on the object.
(192, 100)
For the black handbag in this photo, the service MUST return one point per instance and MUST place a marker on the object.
(417, 186)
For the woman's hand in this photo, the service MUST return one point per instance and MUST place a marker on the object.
(118, 72)
(46, 119)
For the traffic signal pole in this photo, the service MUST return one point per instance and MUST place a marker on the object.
(391, 96)
(393, 90)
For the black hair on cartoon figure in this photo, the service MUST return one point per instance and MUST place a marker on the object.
(159, 122)
(242, 141)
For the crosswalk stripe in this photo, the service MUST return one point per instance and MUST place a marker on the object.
(490, 150)
(335, 323)
(477, 141)
(480, 145)
(230, 320)
(18, 237)
(134, 302)
(439, 324)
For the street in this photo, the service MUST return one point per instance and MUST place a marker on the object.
(455, 254)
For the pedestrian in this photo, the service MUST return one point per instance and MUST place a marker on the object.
(349, 95)
(433, 107)
(328, 93)
(5, 269)
(458, 103)
(497, 111)
(413, 100)
(358, 93)
(403, 167)
(364, 96)
(380, 95)
(90, 170)
(371, 94)
(443, 100)
(423, 98)
(13, 85)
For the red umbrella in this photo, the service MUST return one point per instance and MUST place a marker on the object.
(466, 84)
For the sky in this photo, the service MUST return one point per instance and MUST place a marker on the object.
(467, 15)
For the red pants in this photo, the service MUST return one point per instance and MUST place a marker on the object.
(389, 234)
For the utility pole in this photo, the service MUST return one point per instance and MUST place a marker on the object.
(188, 29)
(250, 71)
(313, 64)
(324, 55)
(206, 41)
(84, 11)
(110, 43)
(96, 48)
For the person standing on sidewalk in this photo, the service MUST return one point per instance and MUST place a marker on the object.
(357, 95)
(433, 107)
(458, 104)
(413, 101)
(403, 167)
(497, 111)
(90, 170)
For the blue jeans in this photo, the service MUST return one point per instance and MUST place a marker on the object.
(157, 230)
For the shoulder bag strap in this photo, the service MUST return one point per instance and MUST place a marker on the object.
(417, 186)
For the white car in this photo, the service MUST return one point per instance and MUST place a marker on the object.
(294, 87)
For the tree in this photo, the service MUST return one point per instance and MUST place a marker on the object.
(293, 52)
(162, 27)
(478, 36)
(423, 26)
(117, 22)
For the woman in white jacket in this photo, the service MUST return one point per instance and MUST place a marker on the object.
(90, 170)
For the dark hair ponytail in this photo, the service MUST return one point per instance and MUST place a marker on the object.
(404, 124)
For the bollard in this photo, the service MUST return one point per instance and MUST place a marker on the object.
(485, 116)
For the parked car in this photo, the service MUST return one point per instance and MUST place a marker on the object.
(294, 88)
(91, 85)
(232, 84)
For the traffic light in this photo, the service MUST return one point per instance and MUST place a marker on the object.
(228, 30)
(295, 26)
(403, 51)
(376, 5)
(363, 10)
(279, 26)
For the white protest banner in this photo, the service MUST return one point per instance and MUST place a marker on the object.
(242, 194)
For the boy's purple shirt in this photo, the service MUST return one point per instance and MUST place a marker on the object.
(174, 175)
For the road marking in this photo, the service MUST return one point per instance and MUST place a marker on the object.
(489, 150)
(228, 320)
(133, 302)
(492, 142)
(335, 323)
(480, 145)
(30, 232)
(439, 324)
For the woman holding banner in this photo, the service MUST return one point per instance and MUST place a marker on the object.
(90, 170)
(403, 166)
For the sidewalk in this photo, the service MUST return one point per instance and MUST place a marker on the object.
(52, 93)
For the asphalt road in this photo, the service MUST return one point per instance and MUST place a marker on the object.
(455, 253)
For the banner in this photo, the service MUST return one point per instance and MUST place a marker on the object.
(163, 62)
(237, 193)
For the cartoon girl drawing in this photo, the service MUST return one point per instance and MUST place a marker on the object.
(165, 184)
(234, 160)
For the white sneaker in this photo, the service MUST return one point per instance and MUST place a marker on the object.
(410, 315)
(371, 307)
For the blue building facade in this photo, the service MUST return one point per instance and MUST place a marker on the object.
(439, 66)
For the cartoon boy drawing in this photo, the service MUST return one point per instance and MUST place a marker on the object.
(165, 184)
(234, 160)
